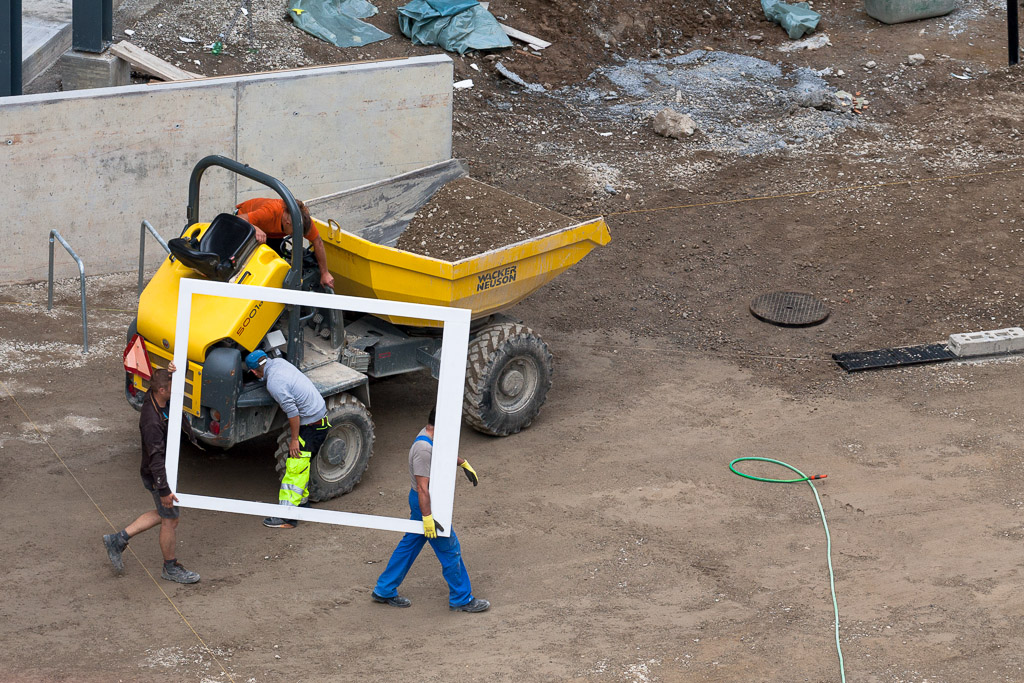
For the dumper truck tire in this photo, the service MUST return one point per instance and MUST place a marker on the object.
(341, 461)
(508, 375)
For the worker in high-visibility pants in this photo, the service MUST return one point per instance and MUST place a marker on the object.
(295, 482)
(306, 411)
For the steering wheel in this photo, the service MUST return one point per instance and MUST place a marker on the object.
(286, 248)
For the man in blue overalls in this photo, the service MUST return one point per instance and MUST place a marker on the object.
(448, 550)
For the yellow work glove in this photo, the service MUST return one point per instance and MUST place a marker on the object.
(470, 472)
(430, 527)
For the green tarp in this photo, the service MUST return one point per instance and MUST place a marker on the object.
(454, 25)
(797, 19)
(337, 22)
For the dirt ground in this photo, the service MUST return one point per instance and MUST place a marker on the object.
(466, 217)
(611, 537)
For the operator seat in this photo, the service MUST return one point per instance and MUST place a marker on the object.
(225, 245)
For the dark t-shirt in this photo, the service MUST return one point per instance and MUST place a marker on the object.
(153, 426)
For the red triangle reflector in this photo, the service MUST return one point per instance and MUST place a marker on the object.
(136, 358)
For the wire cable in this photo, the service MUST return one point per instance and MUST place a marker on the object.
(828, 537)
(107, 519)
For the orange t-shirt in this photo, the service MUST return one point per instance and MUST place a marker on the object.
(266, 214)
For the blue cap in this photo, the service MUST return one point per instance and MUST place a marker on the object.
(255, 359)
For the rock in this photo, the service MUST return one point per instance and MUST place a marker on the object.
(610, 190)
(870, 65)
(756, 38)
(810, 94)
(915, 59)
(671, 124)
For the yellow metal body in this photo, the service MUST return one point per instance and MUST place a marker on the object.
(485, 283)
(160, 359)
(213, 319)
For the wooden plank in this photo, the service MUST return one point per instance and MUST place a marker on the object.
(533, 41)
(151, 64)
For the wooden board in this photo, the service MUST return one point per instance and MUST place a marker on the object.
(150, 64)
(533, 41)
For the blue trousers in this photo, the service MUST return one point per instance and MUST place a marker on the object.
(448, 551)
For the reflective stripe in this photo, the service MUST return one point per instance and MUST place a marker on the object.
(285, 501)
(292, 487)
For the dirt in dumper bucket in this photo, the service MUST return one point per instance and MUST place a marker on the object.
(466, 217)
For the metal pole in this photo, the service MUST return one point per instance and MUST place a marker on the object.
(1012, 32)
(10, 48)
(81, 278)
(49, 277)
(142, 248)
(91, 24)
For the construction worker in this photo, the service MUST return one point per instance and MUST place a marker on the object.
(153, 425)
(448, 550)
(307, 418)
(273, 222)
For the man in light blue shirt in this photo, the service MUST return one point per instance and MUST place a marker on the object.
(306, 411)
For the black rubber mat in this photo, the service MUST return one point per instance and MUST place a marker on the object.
(854, 361)
(789, 309)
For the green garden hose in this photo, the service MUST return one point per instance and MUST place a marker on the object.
(828, 537)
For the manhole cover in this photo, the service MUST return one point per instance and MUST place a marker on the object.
(790, 309)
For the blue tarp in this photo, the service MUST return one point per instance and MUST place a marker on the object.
(454, 25)
(337, 22)
(797, 19)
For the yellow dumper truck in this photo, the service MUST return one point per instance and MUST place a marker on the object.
(509, 367)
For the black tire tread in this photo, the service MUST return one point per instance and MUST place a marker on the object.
(482, 348)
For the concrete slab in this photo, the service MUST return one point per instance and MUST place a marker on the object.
(95, 163)
(43, 42)
(360, 122)
(988, 342)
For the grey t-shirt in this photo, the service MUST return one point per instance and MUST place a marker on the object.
(419, 457)
(293, 391)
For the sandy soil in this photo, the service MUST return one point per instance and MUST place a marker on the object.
(611, 537)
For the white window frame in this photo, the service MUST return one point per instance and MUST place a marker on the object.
(452, 375)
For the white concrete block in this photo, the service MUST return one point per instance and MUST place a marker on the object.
(987, 343)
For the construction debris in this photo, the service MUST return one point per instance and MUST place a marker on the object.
(141, 60)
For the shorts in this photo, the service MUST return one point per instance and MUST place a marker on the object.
(165, 513)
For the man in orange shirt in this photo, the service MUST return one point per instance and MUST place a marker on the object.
(271, 219)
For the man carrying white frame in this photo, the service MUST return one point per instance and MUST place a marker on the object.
(448, 550)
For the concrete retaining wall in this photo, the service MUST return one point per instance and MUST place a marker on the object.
(95, 163)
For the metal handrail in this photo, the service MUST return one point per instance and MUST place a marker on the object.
(81, 277)
(142, 248)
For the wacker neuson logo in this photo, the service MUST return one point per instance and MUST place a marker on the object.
(502, 276)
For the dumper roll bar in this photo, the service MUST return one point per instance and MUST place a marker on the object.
(294, 279)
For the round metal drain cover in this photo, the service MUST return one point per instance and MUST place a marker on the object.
(789, 309)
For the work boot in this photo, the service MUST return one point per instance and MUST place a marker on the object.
(474, 605)
(179, 574)
(115, 546)
(278, 523)
(395, 601)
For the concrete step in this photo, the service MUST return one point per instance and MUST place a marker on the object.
(988, 342)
